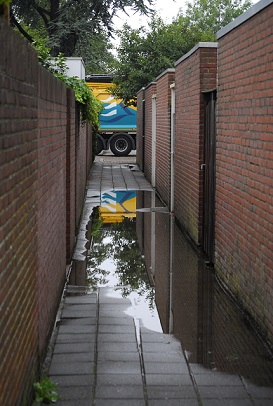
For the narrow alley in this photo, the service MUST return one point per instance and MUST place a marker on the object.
(102, 353)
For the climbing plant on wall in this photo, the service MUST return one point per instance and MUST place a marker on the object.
(89, 106)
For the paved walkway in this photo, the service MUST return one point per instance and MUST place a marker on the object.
(103, 357)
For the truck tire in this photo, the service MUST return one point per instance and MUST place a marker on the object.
(121, 145)
(100, 146)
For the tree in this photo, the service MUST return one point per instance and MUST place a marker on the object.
(145, 53)
(209, 16)
(68, 22)
(96, 53)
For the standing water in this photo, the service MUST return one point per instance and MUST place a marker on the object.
(138, 249)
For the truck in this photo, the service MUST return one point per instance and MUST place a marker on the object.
(117, 129)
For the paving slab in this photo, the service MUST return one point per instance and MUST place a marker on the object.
(119, 379)
(230, 402)
(76, 338)
(117, 337)
(171, 392)
(76, 393)
(71, 368)
(120, 402)
(223, 392)
(118, 356)
(68, 348)
(119, 392)
(77, 329)
(173, 402)
(168, 379)
(118, 367)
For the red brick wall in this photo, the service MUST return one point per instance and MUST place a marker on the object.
(70, 174)
(163, 134)
(51, 200)
(37, 197)
(195, 73)
(140, 128)
(149, 93)
(244, 171)
(18, 218)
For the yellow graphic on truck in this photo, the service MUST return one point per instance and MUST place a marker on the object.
(117, 204)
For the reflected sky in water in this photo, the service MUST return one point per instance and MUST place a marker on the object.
(116, 262)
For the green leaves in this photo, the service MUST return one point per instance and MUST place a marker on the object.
(5, 2)
(46, 391)
(69, 22)
(89, 106)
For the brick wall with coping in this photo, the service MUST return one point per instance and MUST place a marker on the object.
(18, 218)
(163, 134)
(37, 138)
(195, 73)
(244, 170)
(140, 128)
(150, 91)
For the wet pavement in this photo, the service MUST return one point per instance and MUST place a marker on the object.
(107, 352)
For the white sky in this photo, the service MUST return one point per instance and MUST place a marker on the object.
(167, 9)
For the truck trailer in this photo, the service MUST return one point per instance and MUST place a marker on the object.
(117, 129)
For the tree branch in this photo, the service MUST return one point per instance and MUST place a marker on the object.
(43, 13)
(16, 24)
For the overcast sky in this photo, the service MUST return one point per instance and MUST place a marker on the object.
(167, 9)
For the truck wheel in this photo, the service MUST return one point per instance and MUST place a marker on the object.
(121, 145)
(99, 146)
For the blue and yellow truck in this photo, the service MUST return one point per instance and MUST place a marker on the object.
(117, 129)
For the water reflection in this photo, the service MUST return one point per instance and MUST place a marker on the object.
(191, 303)
(116, 261)
(195, 308)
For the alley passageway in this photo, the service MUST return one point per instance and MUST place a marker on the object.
(102, 354)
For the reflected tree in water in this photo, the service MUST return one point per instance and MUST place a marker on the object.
(118, 242)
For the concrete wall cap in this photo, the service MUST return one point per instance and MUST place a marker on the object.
(256, 8)
(169, 70)
(197, 46)
(150, 84)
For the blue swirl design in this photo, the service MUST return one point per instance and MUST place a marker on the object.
(117, 114)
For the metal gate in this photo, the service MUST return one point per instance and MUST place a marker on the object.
(209, 175)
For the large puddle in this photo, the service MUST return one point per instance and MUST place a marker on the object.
(137, 248)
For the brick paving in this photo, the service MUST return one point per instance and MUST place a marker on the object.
(103, 357)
